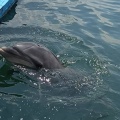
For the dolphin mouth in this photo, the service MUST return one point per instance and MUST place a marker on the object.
(16, 57)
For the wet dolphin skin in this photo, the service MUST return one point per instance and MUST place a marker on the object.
(31, 55)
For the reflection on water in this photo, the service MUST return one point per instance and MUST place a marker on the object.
(80, 83)
(84, 35)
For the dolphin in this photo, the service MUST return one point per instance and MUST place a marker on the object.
(31, 55)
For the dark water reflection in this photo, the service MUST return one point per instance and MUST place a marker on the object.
(85, 37)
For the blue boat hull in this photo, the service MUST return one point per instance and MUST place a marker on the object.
(5, 6)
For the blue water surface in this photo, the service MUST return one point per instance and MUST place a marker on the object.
(85, 36)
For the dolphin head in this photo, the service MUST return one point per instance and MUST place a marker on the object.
(31, 55)
(15, 57)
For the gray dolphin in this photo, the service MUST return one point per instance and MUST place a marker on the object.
(31, 55)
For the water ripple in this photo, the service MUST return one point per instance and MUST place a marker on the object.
(85, 37)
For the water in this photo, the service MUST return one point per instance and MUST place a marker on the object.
(85, 37)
